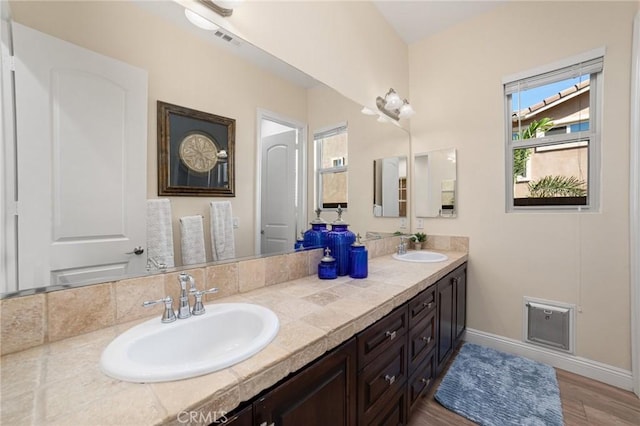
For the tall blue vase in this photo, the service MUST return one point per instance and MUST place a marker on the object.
(317, 235)
(339, 240)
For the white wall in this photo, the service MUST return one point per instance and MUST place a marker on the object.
(455, 84)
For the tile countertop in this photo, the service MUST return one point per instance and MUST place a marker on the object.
(61, 383)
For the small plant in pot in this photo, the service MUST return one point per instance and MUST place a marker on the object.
(419, 239)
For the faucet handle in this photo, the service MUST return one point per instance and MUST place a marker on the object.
(198, 307)
(169, 315)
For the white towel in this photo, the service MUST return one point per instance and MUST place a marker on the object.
(160, 231)
(192, 240)
(222, 239)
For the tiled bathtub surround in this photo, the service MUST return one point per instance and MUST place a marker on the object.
(29, 321)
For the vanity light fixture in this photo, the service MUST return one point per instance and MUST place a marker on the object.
(392, 105)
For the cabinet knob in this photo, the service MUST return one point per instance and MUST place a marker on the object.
(390, 379)
(427, 305)
(391, 335)
(426, 339)
(425, 381)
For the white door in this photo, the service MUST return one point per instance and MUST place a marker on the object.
(278, 192)
(81, 123)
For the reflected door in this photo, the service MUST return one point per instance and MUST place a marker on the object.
(278, 192)
(81, 123)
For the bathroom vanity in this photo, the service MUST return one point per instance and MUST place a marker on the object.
(348, 352)
(376, 377)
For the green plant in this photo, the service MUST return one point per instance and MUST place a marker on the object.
(557, 186)
(520, 156)
(419, 237)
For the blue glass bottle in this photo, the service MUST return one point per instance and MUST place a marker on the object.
(339, 240)
(317, 235)
(327, 267)
(359, 265)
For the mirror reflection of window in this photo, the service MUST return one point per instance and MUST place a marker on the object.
(331, 166)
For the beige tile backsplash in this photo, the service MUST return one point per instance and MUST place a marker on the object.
(30, 321)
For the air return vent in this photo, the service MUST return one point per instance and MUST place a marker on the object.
(226, 37)
(549, 324)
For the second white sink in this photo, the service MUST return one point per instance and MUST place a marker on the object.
(225, 334)
(421, 256)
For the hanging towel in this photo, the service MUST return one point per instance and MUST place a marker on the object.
(160, 231)
(222, 239)
(192, 240)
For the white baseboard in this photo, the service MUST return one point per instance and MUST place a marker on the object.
(608, 374)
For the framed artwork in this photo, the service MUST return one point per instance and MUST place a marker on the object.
(195, 152)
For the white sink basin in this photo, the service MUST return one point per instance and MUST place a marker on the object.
(421, 256)
(225, 334)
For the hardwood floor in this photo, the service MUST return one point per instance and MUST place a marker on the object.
(584, 402)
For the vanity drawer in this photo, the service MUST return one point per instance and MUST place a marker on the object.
(382, 378)
(381, 336)
(422, 340)
(392, 413)
(421, 305)
(421, 380)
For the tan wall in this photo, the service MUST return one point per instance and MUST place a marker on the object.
(582, 259)
(184, 70)
(345, 44)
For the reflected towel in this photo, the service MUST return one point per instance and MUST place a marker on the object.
(222, 239)
(160, 231)
(192, 240)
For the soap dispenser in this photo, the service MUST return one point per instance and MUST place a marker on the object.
(339, 240)
(317, 235)
(327, 267)
(359, 260)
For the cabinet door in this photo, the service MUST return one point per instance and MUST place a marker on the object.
(460, 281)
(323, 394)
(446, 312)
(243, 417)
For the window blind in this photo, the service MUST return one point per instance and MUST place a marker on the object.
(586, 67)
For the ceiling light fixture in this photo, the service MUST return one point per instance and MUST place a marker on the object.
(393, 106)
(200, 21)
(223, 8)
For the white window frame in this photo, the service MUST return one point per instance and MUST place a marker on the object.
(318, 135)
(586, 63)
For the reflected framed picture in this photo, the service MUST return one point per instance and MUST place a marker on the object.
(195, 152)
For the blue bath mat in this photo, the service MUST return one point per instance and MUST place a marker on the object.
(493, 388)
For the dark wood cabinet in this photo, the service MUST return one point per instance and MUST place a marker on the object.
(322, 394)
(451, 295)
(243, 417)
(377, 377)
(382, 365)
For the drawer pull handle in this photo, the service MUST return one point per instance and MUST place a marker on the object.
(427, 305)
(390, 379)
(426, 339)
(425, 381)
(391, 335)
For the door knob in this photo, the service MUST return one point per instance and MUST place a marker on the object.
(137, 251)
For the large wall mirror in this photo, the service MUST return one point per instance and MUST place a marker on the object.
(434, 193)
(390, 187)
(209, 71)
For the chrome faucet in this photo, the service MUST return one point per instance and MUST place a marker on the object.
(153, 262)
(402, 248)
(198, 307)
(184, 310)
(168, 315)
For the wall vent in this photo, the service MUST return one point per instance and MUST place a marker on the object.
(549, 324)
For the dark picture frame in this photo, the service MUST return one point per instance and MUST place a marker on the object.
(196, 152)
